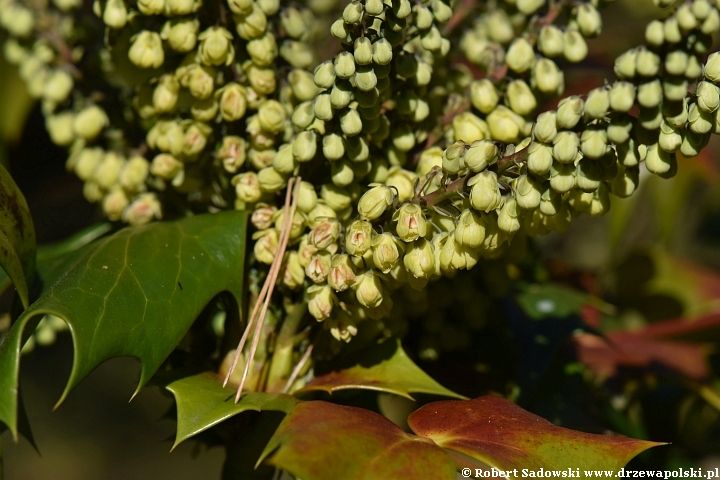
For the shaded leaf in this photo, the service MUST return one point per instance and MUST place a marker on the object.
(498, 433)
(551, 300)
(17, 237)
(134, 293)
(52, 259)
(203, 402)
(384, 367)
(605, 355)
(324, 441)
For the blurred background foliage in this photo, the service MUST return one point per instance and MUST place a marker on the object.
(615, 328)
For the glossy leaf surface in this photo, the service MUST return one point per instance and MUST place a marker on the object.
(324, 441)
(498, 433)
(385, 367)
(17, 237)
(134, 293)
(203, 402)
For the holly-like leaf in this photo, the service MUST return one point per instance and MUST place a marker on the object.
(203, 402)
(324, 441)
(384, 367)
(498, 433)
(134, 293)
(17, 237)
(550, 300)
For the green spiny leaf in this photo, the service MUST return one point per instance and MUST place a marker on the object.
(134, 293)
(384, 367)
(17, 237)
(203, 402)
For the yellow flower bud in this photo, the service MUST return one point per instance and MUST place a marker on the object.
(369, 290)
(569, 112)
(199, 79)
(247, 187)
(325, 232)
(307, 198)
(708, 96)
(375, 201)
(483, 95)
(650, 94)
(305, 146)
(195, 139)
(550, 202)
(485, 193)
(294, 22)
(337, 198)
(597, 103)
(320, 301)
(358, 238)
(562, 177)
(528, 192)
(302, 84)
(660, 162)
(699, 121)
(419, 259)
(619, 129)
(342, 173)
(626, 182)
(547, 77)
(342, 273)
(181, 7)
(87, 162)
(232, 153)
(181, 34)
(655, 33)
(166, 166)
(382, 52)
(262, 217)
(272, 116)
(550, 41)
(648, 63)
(540, 158)
(520, 56)
(344, 64)
(319, 267)
(670, 139)
(146, 50)
(263, 50)
(575, 48)
(151, 7)
(58, 86)
(142, 210)
(504, 125)
(115, 14)
(350, 122)
(216, 47)
(565, 146)
(266, 244)
(89, 122)
(411, 222)
(622, 96)
(165, 94)
(325, 75)
(470, 230)
(588, 20)
(293, 273)
(114, 203)
(626, 64)
(520, 98)
(252, 24)
(134, 174)
(204, 110)
(594, 142)
(60, 128)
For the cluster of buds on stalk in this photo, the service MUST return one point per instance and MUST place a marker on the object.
(414, 165)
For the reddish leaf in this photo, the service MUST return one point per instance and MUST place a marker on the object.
(604, 356)
(324, 441)
(500, 434)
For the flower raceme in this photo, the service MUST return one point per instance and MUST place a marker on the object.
(412, 166)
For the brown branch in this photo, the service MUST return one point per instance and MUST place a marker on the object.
(459, 16)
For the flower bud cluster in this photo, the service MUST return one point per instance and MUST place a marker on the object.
(412, 167)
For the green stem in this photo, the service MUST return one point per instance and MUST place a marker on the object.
(1, 461)
(281, 363)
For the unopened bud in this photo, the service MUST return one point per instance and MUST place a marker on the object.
(470, 230)
(146, 50)
(181, 33)
(247, 187)
(142, 210)
(319, 267)
(342, 273)
(485, 193)
(89, 122)
(266, 244)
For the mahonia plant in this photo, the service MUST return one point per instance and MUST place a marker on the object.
(416, 150)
